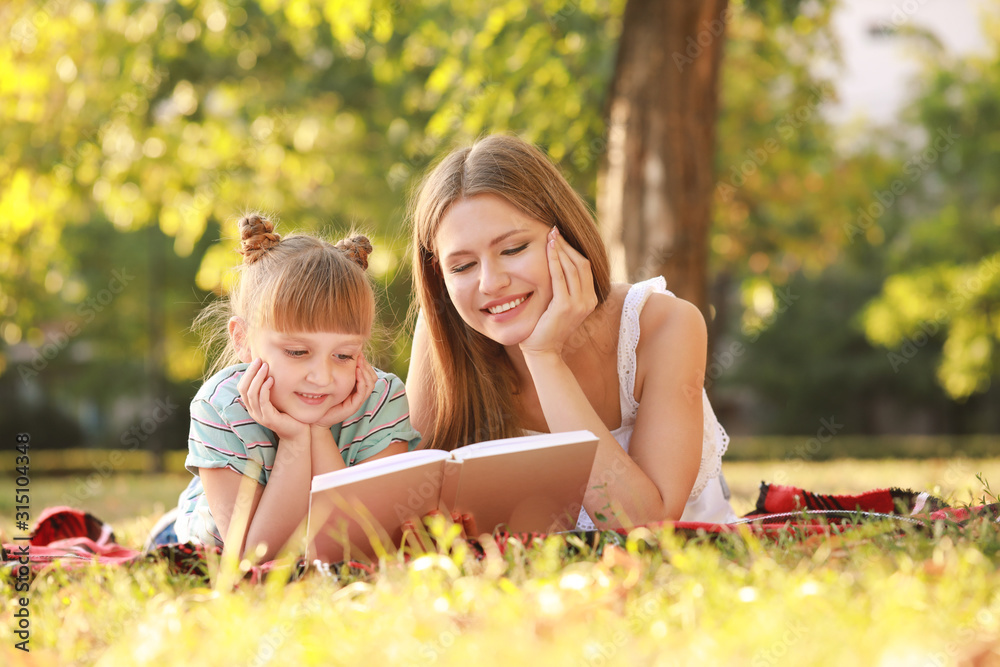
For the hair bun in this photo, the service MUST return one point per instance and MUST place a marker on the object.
(256, 237)
(357, 248)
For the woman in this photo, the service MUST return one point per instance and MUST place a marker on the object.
(521, 330)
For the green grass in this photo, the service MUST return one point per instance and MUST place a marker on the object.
(870, 596)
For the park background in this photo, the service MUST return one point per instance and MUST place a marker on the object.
(775, 159)
(844, 246)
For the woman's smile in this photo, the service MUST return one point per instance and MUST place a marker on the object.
(506, 305)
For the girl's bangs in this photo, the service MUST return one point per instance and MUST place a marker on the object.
(320, 296)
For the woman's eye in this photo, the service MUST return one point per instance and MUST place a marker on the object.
(461, 268)
(514, 251)
(295, 353)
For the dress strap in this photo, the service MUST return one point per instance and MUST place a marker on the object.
(628, 339)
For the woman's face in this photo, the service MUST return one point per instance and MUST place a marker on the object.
(493, 259)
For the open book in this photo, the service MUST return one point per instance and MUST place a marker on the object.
(531, 483)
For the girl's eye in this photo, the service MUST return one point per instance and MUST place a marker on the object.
(514, 251)
(461, 268)
(345, 357)
(295, 353)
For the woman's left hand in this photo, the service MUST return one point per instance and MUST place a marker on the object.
(365, 378)
(573, 299)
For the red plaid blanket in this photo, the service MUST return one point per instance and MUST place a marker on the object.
(73, 537)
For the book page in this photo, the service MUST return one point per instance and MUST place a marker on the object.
(360, 517)
(529, 487)
(370, 469)
(525, 443)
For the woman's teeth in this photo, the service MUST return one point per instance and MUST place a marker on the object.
(496, 310)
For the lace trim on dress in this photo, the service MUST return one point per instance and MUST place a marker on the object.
(628, 340)
(714, 445)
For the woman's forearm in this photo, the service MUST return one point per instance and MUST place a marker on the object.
(618, 489)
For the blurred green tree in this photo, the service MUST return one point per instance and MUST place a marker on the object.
(943, 293)
(811, 232)
(135, 133)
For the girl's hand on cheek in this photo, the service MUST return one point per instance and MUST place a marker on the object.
(255, 391)
(573, 298)
(364, 383)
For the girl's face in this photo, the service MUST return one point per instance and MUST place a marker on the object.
(495, 267)
(312, 371)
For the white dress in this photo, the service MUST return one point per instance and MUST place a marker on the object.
(709, 500)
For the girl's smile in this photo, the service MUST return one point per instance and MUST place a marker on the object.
(312, 399)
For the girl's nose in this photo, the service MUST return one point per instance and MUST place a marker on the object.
(321, 372)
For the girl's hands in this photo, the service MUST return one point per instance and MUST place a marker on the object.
(364, 383)
(255, 390)
(573, 298)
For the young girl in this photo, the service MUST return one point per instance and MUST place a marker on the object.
(521, 330)
(295, 396)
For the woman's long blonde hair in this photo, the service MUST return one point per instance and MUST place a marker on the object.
(296, 283)
(472, 379)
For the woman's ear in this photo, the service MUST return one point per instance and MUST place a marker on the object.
(240, 337)
(430, 260)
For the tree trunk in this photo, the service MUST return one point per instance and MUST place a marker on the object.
(657, 177)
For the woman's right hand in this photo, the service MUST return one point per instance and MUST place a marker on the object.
(255, 391)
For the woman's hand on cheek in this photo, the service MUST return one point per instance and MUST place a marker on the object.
(573, 298)
(364, 383)
(255, 390)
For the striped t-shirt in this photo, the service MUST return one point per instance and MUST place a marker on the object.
(223, 435)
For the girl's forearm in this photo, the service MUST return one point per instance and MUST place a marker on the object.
(618, 489)
(326, 455)
(285, 500)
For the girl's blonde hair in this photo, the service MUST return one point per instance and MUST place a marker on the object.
(295, 283)
(472, 379)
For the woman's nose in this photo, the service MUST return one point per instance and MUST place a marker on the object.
(492, 278)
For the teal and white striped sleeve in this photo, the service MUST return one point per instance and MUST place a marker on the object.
(382, 420)
(223, 435)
